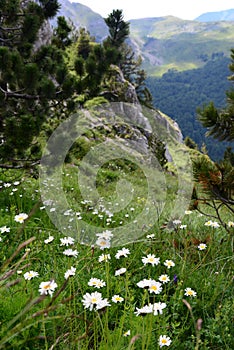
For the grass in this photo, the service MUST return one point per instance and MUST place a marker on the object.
(30, 320)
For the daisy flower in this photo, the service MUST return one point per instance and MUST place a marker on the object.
(122, 252)
(97, 283)
(91, 299)
(105, 234)
(150, 259)
(144, 283)
(183, 226)
(70, 272)
(158, 308)
(147, 309)
(190, 292)
(104, 257)
(49, 239)
(120, 271)
(230, 224)
(47, 287)
(212, 223)
(70, 252)
(202, 246)
(150, 236)
(155, 287)
(169, 263)
(117, 299)
(4, 229)
(164, 341)
(127, 333)
(103, 303)
(21, 217)
(164, 278)
(176, 222)
(103, 243)
(31, 274)
(94, 299)
(66, 241)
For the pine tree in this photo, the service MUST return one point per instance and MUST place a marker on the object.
(33, 75)
(217, 178)
(220, 123)
(118, 28)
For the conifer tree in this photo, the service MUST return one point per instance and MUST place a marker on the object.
(33, 75)
(217, 178)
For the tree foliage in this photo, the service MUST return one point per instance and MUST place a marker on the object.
(217, 179)
(220, 123)
(33, 74)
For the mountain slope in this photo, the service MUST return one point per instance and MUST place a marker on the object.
(227, 15)
(170, 42)
(83, 16)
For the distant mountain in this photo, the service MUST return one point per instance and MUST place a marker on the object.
(227, 15)
(83, 16)
(172, 43)
(164, 42)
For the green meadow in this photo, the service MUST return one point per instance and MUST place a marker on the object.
(169, 285)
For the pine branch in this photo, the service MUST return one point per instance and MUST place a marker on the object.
(18, 95)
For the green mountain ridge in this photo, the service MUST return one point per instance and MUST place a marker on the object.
(170, 44)
(226, 15)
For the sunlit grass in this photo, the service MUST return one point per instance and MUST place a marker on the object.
(172, 287)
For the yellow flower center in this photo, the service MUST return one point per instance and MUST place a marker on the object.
(94, 300)
(154, 287)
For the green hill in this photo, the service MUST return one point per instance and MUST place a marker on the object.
(172, 43)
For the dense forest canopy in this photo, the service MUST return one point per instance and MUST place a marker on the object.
(179, 94)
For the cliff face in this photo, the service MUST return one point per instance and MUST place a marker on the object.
(82, 16)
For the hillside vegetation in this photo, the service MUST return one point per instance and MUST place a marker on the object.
(114, 233)
(179, 94)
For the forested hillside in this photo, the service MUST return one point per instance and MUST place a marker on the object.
(179, 94)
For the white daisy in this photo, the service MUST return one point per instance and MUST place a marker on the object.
(190, 292)
(164, 278)
(91, 299)
(144, 283)
(147, 309)
(150, 259)
(70, 252)
(97, 283)
(176, 222)
(4, 229)
(117, 299)
(103, 243)
(202, 246)
(67, 241)
(169, 263)
(122, 252)
(104, 257)
(70, 272)
(31, 274)
(49, 239)
(21, 217)
(127, 333)
(105, 234)
(164, 341)
(120, 271)
(155, 287)
(150, 236)
(47, 287)
(158, 307)
(102, 303)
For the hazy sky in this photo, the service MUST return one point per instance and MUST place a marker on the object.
(189, 9)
